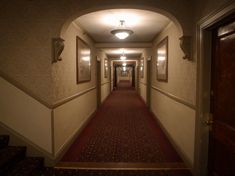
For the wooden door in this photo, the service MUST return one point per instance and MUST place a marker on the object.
(98, 83)
(148, 83)
(115, 77)
(222, 133)
(133, 76)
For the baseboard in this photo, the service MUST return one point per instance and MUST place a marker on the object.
(58, 156)
(17, 139)
(178, 150)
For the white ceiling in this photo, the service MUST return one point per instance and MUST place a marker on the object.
(145, 25)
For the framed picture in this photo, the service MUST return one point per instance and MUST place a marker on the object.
(106, 68)
(83, 57)
(162, 60)
(142, 67)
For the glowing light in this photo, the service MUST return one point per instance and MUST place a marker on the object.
(86, 58)
(122, 32)
(161, 52)
(122, 35)
(123, 57)
(85, 52)
(161, 58)
(124, 64)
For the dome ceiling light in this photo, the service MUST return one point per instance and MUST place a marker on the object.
(123, 57)
(122, 33)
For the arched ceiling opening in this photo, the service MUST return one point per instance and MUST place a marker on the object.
(178, 13)
(145, 24)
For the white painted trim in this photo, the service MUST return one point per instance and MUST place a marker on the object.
(174, 97)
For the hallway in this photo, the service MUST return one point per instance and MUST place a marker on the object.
(65, 95)
(122, 131)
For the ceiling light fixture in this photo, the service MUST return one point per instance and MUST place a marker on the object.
(122, 32)
(123, 57)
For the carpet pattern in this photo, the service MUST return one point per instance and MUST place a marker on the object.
(123, 130)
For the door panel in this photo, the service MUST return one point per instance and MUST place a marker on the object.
(222, 135)
(148, 82)
(98, 83)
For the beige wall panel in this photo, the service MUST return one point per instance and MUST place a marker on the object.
(143, 93)
(143, 81)
(178, 120)
(181, 73)
(25, 115)
(102, 57)
(70, 117)
(105, 91)
(64, 73)
(105, 82)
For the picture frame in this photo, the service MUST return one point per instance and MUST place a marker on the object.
(162, 60)
(106, 68)
(83, 59)
(142, 67)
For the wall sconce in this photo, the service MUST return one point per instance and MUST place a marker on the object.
(186, 46)
(57, 49)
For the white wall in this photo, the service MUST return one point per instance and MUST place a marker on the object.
(105, 81)
(143, 81)
(177, 119)
(49, 127)
(143, 91)
(64, 73)
(70, 117)
(105, 91)
(181, 72)
(25, 115)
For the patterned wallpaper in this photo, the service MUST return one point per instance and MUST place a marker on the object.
(181, 73)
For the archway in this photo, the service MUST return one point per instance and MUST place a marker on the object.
(162, 12)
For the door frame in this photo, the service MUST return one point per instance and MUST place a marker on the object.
(98, 81)
(149, 81)
(110, 77)
(138, 78)
(133, 77)
(203, 45)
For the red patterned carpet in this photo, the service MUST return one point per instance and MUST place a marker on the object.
(123, 130)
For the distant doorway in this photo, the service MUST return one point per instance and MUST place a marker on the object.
(124, 75)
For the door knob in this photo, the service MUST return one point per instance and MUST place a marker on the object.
(209, 122)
